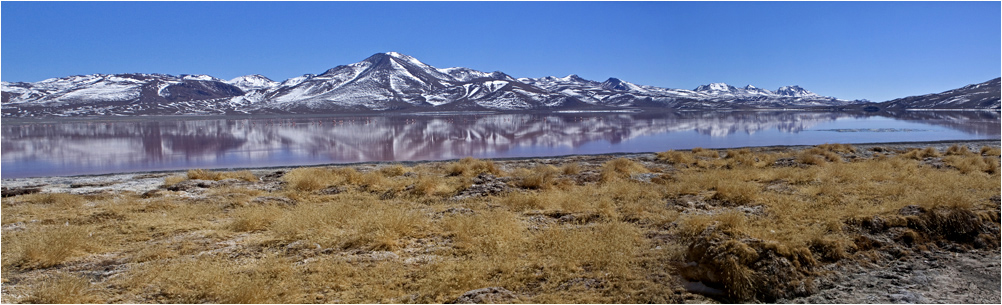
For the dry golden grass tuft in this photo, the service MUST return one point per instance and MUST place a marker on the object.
(705, 153)
(254, 218)
(539, 177)
(202, 174)
(990, 151)
(44, 247)
(957, 150)
(64, 288)
(56, 199)
(350, 221)
(213, 279)
(620, 168)
(736, 192)
(174, 179)
(308, 179)
(969, 163)
(571, 168)
(430, 185)
(676, 157)
(471, 167)
(838, 148)
(919, 154)
(394, 170)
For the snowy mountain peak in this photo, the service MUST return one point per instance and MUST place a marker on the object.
(715, 87)
(615, 84)
(253, 82)
(199, 77)
(796, 91)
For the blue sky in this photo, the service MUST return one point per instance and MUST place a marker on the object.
(853, 50)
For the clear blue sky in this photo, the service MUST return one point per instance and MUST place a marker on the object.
(853, 50)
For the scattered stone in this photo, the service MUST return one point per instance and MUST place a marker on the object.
(188, 185)
(373, 256)
(786, 162)
(8, 192)
(910, 210)
(92, 184)
(646, 177)
(489, 295)
(485, 185)
(273, 176)
(14, 227)
(456, 210)
(334, 190)
(273, 199)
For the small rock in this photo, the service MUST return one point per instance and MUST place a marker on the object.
(5, 192)
(191, 184)
(910, 210)
(91, 184)
(278, 200)
(644, 177)
(489, 295)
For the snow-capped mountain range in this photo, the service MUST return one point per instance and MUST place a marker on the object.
(984, 95)
(383, 82)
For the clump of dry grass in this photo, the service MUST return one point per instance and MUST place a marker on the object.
(957, 150)
(736, 192)
(56, 199)
(919, 154)
(705, 153)
(539, 177)
(254, 218)
(521, 201)
(308, 179)
(44, 247)
(202, 174)
(990, 151)
(349, 221)
(571, 168)
(828, 154)
(676, 157)
(64, 288)
(174, 179)
(805, 157)
(471, 167)
(212, 279)
(620, 168)
(838, 148)
(393, 170)
(430, 185)
(970, 163)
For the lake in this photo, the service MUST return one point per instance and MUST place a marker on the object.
(100, 146)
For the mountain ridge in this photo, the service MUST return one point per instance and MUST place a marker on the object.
(388, 81)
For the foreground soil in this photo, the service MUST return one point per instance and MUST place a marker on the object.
(875, 223)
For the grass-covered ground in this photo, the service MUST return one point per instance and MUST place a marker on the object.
(678, 226)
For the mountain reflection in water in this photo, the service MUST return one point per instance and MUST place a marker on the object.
(92, 147)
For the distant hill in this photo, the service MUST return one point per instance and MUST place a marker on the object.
(985, 95)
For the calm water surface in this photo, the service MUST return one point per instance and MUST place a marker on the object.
(98, 147)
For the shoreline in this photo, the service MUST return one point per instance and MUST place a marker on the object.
(921, 144)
